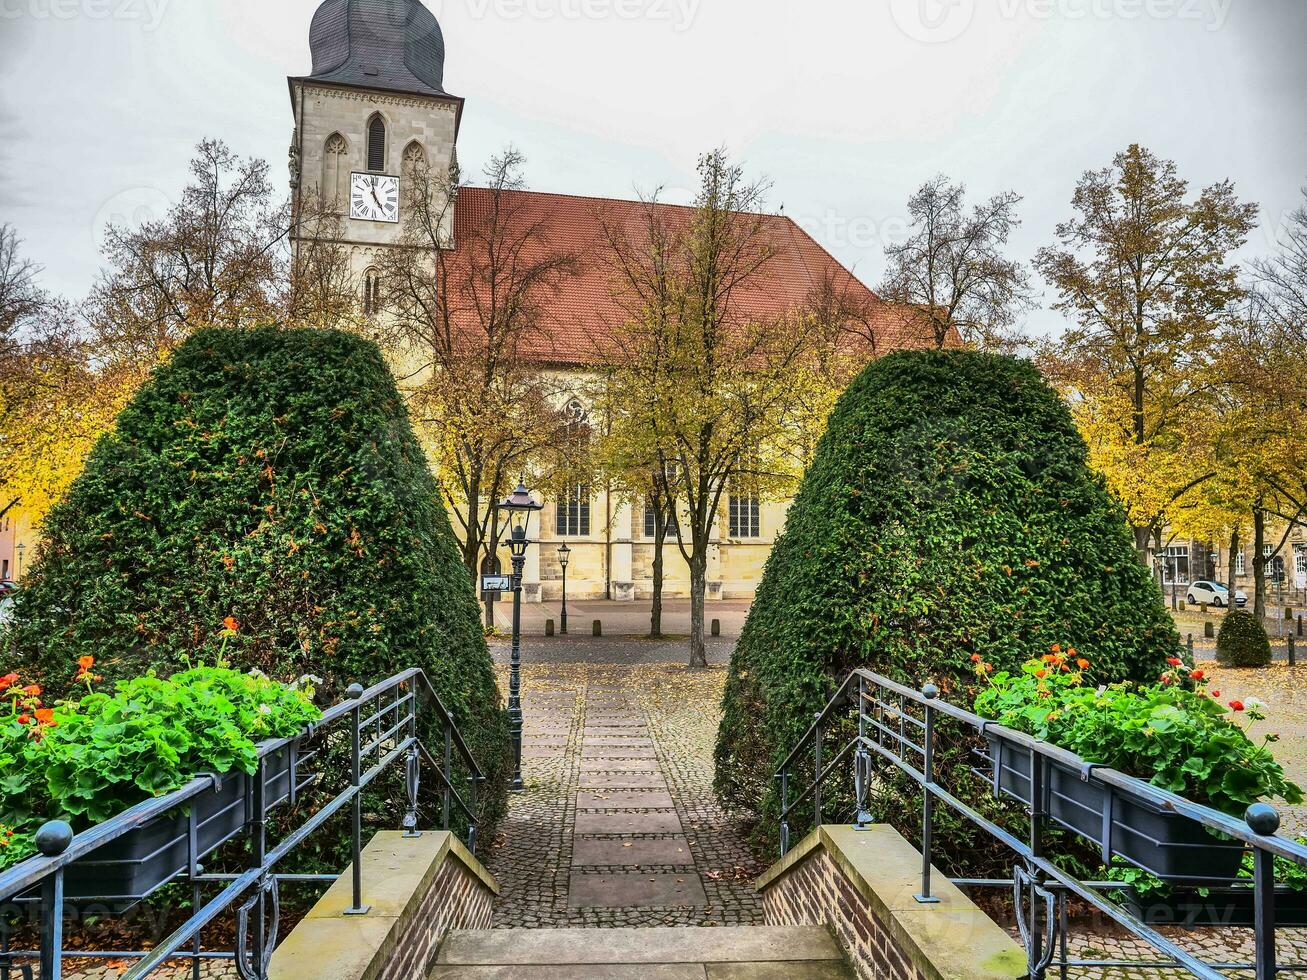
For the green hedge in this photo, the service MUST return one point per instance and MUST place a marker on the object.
(272, 476)
(949, 511)
(1242, 641)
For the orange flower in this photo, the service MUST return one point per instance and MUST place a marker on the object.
(31, 690)
(85, 663)
(975, 658)
(1082, 663)
(1197, 675)
(231, 624)
(1070, 651)
(1173, 661)
(8, 681)
(45, 716)
(1041, 673)
(1057, 648)
(24, 719)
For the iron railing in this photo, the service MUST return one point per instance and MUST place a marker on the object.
(378, 727)
(899, 726)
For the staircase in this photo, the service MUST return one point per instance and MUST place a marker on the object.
(721, 953)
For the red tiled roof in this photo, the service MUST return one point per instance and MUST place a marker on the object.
(585, 306)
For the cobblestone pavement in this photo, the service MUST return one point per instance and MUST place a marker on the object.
(618, 825)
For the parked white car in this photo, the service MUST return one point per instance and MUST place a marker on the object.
(1214, 594)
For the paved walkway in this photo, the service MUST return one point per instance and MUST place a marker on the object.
(618, 825)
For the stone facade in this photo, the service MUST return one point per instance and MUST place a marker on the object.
(330, 143)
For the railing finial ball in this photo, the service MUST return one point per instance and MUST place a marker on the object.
(930, 692)
(354, 692)
(1263, 819)
(53, 838)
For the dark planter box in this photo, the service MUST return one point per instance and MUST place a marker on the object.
(1186, 908)
(136, 864)
(1166, 844)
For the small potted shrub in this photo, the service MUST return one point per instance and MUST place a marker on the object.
(1175, 733)
(1242, 641)
(87, 760)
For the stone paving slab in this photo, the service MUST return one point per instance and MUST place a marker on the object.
(617, 752)
(634, 728)
(635, 889)
(603, 971)
(657, 852)
(543, 751)
(627, 822)
(624, 799)
(589, 741)
(773, 944)
(622, 780)
(619, 765)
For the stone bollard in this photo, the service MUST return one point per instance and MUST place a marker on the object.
(1300, 620)
(1209, 630)
(1202, 607)
(1288, 613)
(549, 627)
(1293, 653)
(1182, 605)
(598, 628)
(716, 627)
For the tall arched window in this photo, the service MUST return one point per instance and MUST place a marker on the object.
(415, 158)
(377, 143)
(572, 516)
(371, 292)
(333, 171)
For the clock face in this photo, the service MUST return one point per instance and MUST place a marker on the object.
(374, 197)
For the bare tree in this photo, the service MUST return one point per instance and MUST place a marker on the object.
(952, 267)
(466, 325)
(1283, 278)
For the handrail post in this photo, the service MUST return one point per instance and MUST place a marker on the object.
(52, 839)
(785, 810)
(449, 772)
(816, 772)
(355, 691)
(929, 692)
(1264, 821)
(861, 763)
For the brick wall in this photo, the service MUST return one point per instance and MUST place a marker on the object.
(817, 892)
(457, 900)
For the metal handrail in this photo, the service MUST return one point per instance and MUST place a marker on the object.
(1036, 877)
(385, 737)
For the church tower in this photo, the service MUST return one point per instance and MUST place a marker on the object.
(373, 109)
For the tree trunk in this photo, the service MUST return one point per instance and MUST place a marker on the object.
(698, 589)
(656, 613)
(1259, 564)
(1231, 564)
(1142, 534)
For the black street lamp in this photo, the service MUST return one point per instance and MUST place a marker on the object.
(519, 507)
(18, 574)
(564, 555)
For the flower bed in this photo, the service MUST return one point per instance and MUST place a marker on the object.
(88, 759)
(1175, 733)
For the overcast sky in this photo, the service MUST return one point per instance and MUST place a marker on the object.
(847, 105)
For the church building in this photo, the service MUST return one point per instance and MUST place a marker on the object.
(373, 108)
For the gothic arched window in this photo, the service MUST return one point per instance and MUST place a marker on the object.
(334, 171)
(377, 143)
(371, 292)
(415, 158)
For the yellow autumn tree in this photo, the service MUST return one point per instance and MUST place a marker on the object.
(1143, 270)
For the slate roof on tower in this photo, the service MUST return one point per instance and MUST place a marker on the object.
(394, 45)
(578, 320)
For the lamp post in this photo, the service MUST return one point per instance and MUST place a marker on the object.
(18, 573)
(564, 556)
(519, 507)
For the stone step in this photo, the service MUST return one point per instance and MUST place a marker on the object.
(800, 952)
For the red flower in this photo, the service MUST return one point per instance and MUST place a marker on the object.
(1197, 675)
(85, 663)
(8, 681)
(1237, 705)
(24, 719)
(231, 624)
(31, 690)
(1070, 651)
(975, 658)
(1216, 694)
(1174, 661)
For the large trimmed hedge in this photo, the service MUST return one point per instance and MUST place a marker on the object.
(273, 476)
(949, 511)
